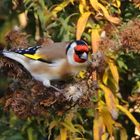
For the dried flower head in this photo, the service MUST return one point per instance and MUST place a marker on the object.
(27, 97)
(130, 37)
(17, 39)
(107, 44)
(44, 41)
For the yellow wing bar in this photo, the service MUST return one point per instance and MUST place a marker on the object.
(33, 56)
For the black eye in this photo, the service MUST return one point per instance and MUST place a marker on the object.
(79, 52)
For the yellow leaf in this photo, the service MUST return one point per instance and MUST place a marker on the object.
(105, 76)
(107, 119)
(114, 20)
(122, 130)
(23, 19)
(98, 128)
(110, 100)
(95, 37)
(69, 126)
(114, 71)
(130, 116)
(81, 24)
(118, 3)
(63, 133)
(60, 7)
(123, 134)
(95, 4)
(51, 126)
(83, 2)
(72, 1)
(82, 6)
(80, 127)
(105, 136)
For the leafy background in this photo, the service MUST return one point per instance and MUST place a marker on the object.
(111, 27)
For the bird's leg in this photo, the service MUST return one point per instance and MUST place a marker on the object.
(48, 84)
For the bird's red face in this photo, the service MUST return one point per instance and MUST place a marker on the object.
(81, 53)
(77, 52)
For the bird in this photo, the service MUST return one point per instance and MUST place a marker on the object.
(55, 61)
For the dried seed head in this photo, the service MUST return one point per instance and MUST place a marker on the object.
(17, 39)
(130, 36)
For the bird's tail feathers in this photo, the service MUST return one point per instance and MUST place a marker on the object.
(15, 56)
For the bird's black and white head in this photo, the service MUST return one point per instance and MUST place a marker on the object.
(77, 52)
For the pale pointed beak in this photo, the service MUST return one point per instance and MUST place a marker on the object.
(84, 56)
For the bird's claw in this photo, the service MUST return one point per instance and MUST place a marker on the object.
(57, 89)
(48, 84)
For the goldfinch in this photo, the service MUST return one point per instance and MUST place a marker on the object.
(53, 61)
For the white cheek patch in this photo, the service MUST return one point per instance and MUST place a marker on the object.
(70, 53)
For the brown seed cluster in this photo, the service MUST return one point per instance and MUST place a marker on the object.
(126, 37)
(107, 44)
(130, 37)
(27, 97)
(109, 39)
(17, 39)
